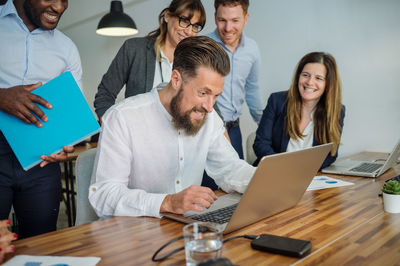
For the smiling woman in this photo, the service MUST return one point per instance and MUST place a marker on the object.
(143, 63)
(310, 113)
(311, 85)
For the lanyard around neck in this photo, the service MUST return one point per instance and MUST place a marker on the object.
(161, 74)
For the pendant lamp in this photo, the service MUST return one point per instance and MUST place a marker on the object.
(116, 23)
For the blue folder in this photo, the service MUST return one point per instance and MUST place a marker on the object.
(70, 121)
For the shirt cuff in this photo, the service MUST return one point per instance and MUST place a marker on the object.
(154, 204)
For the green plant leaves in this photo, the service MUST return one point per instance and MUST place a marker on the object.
(391, 187)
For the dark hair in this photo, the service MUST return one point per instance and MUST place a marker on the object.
(194, 52)
(175, 8)
(244, 3)
(327, 113)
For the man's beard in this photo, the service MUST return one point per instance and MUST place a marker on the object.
(184, 121)
(32, 13)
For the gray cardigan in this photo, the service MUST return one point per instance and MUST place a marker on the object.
(134, 65)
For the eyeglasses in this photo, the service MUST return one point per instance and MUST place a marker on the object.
(185, 23)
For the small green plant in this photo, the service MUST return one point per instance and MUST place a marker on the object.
(391, 187)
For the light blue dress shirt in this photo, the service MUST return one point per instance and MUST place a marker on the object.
(242, 81)
(30, 57)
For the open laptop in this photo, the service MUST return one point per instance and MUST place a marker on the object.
(278, 184)
(364, 168)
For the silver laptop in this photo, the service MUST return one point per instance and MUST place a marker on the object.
(278, 184)
(364, 168)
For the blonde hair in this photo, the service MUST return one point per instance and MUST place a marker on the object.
(176, 8)
(326, 118)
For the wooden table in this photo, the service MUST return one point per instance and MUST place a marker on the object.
(347, 226)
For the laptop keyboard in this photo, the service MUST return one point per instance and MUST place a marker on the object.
(366, 167)
(219, 216)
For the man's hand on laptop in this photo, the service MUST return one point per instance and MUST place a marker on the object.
(193, 198)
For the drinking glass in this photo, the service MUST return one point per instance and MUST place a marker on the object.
(202, 242)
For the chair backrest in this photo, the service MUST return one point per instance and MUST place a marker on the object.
(84, 168)
(250, 155)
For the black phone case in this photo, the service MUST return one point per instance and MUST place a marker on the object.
(282, 245)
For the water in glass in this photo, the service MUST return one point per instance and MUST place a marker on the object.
(200, 250)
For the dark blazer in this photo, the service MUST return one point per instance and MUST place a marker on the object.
(134, 65)
(272, 136)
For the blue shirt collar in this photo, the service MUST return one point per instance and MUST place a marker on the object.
(8, 9)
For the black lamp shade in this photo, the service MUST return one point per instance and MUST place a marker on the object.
(116, 23)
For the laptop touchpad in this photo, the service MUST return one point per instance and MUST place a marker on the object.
(221, 202)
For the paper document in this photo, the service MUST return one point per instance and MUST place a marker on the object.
(70, 122)
(321, 182)
(51, 261)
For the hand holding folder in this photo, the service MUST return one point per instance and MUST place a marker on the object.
(20, 102)
(56, 157)
(70, 121)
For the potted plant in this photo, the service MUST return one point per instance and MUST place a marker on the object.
(391, 196)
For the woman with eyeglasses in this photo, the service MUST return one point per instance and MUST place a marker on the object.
(310, 113)
(143, 63)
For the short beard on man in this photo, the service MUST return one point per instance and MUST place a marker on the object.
(183, 121)
(33, 13)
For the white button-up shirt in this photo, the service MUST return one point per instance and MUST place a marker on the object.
(141, 158)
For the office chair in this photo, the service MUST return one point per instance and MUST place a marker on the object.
(250, 155)
(84, 168)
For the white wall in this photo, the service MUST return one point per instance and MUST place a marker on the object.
(363, 36)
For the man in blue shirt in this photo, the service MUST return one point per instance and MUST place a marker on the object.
(242, 82)
(32, 52)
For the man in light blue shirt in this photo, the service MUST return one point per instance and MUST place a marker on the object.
(32, 52)
(242, 82)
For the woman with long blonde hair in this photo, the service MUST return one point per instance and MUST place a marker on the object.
(310, 113)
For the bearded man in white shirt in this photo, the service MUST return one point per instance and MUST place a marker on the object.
(155, 146)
